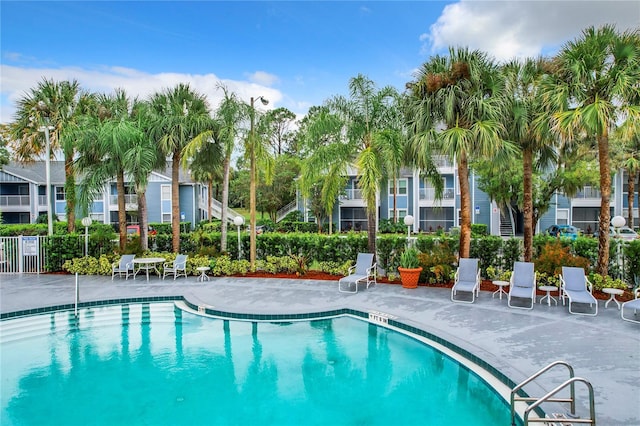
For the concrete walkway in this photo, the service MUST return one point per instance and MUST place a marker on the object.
(604, 349)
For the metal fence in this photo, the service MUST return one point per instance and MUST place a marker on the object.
(23, 254)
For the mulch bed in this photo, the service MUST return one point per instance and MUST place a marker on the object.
(486, 285)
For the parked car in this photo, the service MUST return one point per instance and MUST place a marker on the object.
(624, 233)
(627, 234)
(567, 231)
(134, 230)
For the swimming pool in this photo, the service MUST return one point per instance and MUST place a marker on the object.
(156, 364)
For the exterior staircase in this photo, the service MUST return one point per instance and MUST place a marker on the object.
(506, 229)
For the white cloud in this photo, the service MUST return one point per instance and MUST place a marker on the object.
(509, 29)
(17, 81)
(263, 78)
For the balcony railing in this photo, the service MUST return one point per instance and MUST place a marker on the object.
(128, 199)
(352, 194)
(14, 200)
(587, 193)
(430, 194)
(442, 161)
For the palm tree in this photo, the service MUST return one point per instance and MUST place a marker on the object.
(256, 150)
(322, 178)
(597, 78)
(139, 161)
(456, 105)
(203, 156)
(229, 115)
(105, 139)
(356, 127)
(528, 128)
(56, 104)
(178, 116)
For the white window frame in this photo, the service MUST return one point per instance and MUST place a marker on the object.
(64, 193)
(163, 213)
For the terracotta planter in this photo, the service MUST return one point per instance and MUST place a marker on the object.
(409, 277)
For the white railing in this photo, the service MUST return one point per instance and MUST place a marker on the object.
(351, 194)
(280, 214)
(588, 192)
(128, 199)
(216, 211)
(442, 161)
(14, 200)
(430, 194)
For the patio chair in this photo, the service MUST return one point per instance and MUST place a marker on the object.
(467, 280)
(124, 266)
(632, 304)
(176, 268)
(522, 284)
(576, 287)
(364, 271)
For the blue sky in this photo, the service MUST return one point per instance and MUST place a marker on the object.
(297, 54)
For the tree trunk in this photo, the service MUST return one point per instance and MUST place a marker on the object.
(602, 267)
(465, 206)
(122, 211)
(371, 228)
(527, 202)
(631, 181)
(225, 202)
(70, 192)
(395, 199)
(252, 207)
(175, 202)
(210, 192)
(144, 220)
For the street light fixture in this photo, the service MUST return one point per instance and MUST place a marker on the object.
(252, 183)
(239, 221)
(618, 222)
(86, 222)
(408, 221)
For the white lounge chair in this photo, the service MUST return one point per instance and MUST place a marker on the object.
(124, 266)
(577, 288)
(467, 280)
(364, 271)
(522, 284)
(176, 268)
(632, 304)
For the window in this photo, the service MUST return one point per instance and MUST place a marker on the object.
(165, 203)
(562, 216)
(60, 195)
(401, 214)
(401, 187)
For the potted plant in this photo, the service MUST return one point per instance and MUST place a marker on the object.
(409, 268)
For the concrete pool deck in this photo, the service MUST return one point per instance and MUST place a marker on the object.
(603, 349)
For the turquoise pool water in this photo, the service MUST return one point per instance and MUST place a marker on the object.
(154, 364)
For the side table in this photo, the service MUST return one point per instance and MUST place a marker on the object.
(548, 289)
(500, 290)
(203, 273)
(612, 292)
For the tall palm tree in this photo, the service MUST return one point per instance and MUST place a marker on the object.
(229, 115)
(322, 178)
(139, 161)
(256, 150)
(527, 126)
(105, 138)
(179, 114)
(591, 94)
(56, 104)
(456, 105)
(203, 156)
(357, 125)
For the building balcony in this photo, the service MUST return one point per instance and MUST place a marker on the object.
(15, 203)
(130, 202)
(427, 196)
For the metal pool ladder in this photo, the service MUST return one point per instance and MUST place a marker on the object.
(559, 419)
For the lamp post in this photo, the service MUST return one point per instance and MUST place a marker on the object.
(618, 222)
(408, 220)
(86, 222)
(252, 182)
(238, 221)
